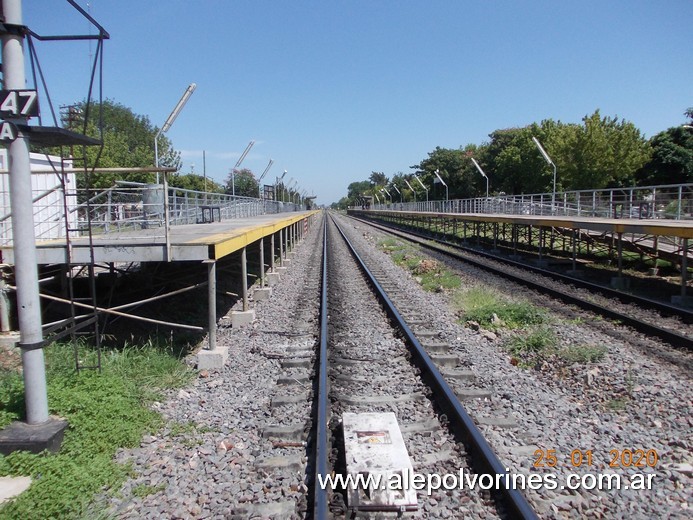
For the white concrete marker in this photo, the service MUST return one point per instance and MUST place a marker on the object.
(374, 446)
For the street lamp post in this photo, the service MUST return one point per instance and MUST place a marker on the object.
(410, 188)
(171, 118)
(437, 172)
(287, 188)
(481, 172)
(277, 181)
(397, 190)
(422, 185)
(235, 167)
(548, 160)
(259, 181)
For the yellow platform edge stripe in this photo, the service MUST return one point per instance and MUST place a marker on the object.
(223, 244)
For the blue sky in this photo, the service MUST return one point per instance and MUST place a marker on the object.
(332, 90)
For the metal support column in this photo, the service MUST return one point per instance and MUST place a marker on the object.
(684, 267)
(244, 279)
(24, 242)
(541, 242)
(620, 254)
(4, 308)
(272, 255)
(212, 302)
(262, 262)
(515, 232)
(575, 235)
(281, 248)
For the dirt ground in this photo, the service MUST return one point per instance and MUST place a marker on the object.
(10, 357)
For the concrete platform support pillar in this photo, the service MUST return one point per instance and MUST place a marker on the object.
(574, 241)
(244, 278)
(212, 302)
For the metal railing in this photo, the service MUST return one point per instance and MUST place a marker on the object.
(130, 207)
(672, 201)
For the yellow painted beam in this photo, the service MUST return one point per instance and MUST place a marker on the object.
(222, 244)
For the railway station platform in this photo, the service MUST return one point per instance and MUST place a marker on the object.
(574, 236)
(268, 237)
(191, 242)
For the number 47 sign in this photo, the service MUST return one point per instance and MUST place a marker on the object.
(18, 103)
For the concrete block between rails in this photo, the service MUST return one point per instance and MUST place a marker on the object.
(271, 463)
(281, 400)
(499, 422)
(282, 509)
(294, 432)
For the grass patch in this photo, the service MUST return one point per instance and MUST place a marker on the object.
(106, 411)
(144, 490)
(491, 310)
(583, 354)
(538, 341)
(431, 274)
(617, 404)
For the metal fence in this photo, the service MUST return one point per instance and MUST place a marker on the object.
(673, 201)
(130, 207)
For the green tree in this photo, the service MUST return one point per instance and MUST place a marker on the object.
(454, 167)
(245, 183)
(128, 142)
(191, 181)
(672, 156)
(604, 152)
(378, 179)
(515, 164)
(355, 190)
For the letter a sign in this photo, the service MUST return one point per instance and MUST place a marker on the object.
(8, 132)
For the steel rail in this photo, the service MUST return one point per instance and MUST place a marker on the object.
(486, 459)
(672, 337)
(320, 504)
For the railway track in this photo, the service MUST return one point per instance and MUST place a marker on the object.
(256, 421)
(652, 318)
(365, 366)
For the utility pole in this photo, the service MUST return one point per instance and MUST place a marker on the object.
(24, 242)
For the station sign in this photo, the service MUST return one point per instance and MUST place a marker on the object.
(18, 103)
